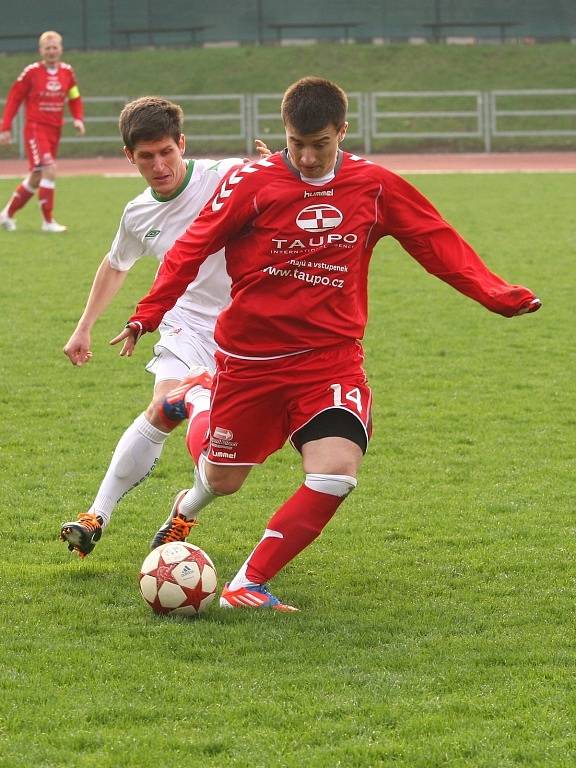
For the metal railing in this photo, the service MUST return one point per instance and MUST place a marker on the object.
(557, 107)
(231, 122)
(449, 115)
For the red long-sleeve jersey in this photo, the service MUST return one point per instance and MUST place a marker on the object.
(298, 255)
(44, 92)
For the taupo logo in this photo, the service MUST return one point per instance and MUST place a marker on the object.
(319, 218)
(53, 85)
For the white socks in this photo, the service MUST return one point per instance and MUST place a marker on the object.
(199, 496)
(135, 457)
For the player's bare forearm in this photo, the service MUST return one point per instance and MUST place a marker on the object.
(107, 282)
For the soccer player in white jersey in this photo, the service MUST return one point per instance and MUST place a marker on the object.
(299, 228)
(151, 129)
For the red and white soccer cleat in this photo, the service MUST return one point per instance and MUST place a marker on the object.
(174, 404)
(253, 596)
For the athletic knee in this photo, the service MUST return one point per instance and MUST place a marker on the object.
(224, 486)
(224, 481)
(49, 172)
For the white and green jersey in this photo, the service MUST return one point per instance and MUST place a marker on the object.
(149, 226)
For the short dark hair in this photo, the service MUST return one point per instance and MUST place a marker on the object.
(150, 118)
(312, 103)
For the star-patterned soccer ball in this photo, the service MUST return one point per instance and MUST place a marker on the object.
(178, 578)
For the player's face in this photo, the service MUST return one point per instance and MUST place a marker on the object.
(50, 50)
(160, 163)
(314, 154)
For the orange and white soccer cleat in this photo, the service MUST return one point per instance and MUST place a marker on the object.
(176, 527)
(82, 534)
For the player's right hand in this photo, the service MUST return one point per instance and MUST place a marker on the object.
(77, 348)
(5, 137)
(129, 336)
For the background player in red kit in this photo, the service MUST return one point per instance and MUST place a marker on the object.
(299, 228)
(43, 87)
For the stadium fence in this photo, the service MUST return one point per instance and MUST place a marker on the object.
(383, 120)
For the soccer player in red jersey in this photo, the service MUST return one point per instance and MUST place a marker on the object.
(299, 228)
(43, 87)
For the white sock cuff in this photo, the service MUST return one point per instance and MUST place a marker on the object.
(334, 485)
(47, 183)
(27, 186)
(201, 472)
(148, 430)
(199, 399)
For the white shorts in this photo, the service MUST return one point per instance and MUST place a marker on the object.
(178, 349)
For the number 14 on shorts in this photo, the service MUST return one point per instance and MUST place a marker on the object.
(353, 395)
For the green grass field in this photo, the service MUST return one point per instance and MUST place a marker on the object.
(437, 610)
(357, 67)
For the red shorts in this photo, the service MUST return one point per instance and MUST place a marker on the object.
(259, 404)
(41, 144)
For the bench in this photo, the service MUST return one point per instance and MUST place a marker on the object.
(343, 26)
(152, 32)
(440, 27)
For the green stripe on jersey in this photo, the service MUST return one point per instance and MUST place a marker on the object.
(180, 189)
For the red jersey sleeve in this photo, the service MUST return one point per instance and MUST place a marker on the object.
(75, 103)
(435, 244)
(16, 96)
(222, 217)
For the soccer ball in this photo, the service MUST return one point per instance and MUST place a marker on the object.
(178, 578)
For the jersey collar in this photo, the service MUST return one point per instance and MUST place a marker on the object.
(296, 172)
(180, 189)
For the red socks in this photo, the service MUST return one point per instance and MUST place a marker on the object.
(292, 528)
(196, 434)
(19, 199)
(46, 197)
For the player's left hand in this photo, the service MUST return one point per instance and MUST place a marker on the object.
(129, 336)
(80, 128)
(262, 148)
(531, 306)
